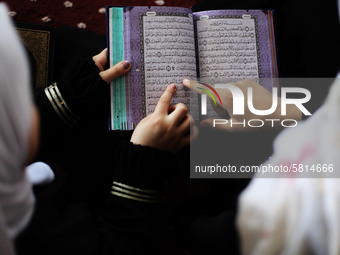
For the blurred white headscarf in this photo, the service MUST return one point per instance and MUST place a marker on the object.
(16, 197)
(298, 215)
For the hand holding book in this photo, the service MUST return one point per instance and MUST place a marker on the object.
(168, 127)
(113, 72)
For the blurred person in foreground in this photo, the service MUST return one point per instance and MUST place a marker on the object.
(19, 135)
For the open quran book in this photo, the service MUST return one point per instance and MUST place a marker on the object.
(167, 44)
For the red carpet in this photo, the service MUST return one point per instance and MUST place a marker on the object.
(83, 13)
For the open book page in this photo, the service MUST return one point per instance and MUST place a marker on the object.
(169, 55)
(234, 45)
(160, 44)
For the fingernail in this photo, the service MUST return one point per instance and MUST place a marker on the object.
(126, 64)
(186, 82)
(173, 86)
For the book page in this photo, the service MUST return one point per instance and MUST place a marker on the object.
(169, 55)
(227, 48)
(233, 45)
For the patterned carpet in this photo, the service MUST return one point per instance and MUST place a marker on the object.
(84, 14)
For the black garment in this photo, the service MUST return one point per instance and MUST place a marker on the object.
(77, 213)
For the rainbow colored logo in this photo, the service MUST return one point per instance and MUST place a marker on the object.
(209, 93)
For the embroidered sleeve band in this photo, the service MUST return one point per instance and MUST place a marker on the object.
(59, 105)
(129, 192)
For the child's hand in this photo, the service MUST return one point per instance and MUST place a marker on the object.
(113, 72)
(169, 128)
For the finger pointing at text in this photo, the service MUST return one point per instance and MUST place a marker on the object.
(168, 127)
